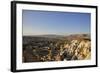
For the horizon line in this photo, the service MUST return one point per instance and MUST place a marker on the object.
(56, 34)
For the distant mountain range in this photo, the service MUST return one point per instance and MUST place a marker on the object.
(51, 36)
(72, 36)
(79, 36)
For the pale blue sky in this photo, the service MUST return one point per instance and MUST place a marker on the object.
(51, 22)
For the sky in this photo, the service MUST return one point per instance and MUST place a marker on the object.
(52, 22)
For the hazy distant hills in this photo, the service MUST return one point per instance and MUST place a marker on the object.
(59, 37)
(79, 36)
(62, 36)
(51, 36)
